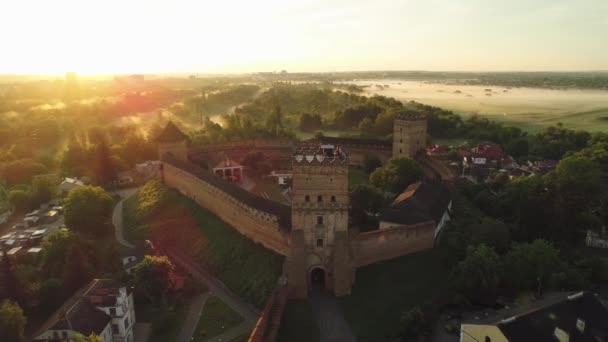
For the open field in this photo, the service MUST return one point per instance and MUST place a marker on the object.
(384, 290)
(217, 317)
(529, 108)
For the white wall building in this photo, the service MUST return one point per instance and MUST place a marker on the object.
(102, 307)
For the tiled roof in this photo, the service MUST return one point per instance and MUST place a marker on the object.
(281, 211)
(420, 202)
(171, 134)
(78, 314)
(537, 321)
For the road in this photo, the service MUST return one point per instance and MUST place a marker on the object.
(117, 216)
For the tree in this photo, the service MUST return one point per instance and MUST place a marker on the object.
(364, 200)
(20, 199)
(9, 284)
(531, 265)
(91, 338)
(43, 190)
(50, 294)
(396, 175)
(153, 277)
(88, 209)
(54, 249)
(105, 171)
(12, 322)
(413, 323)
(77, 271)
(479, 274)
(491, 232)
(371, 163)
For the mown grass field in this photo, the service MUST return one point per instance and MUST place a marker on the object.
(216, 318)
(383, 291)
(170, 219)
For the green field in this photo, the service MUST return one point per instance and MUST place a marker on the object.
(528, 108)
(383, 291)
(216, 318)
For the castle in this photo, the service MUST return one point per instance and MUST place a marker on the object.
(313, 233)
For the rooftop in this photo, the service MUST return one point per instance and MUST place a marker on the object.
(319, 154)
(79, 312)
(538, 320)
(419, 202)
(411, 116)
(171, 133)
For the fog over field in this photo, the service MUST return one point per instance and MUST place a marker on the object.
(530, 108)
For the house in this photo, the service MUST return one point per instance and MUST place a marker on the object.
(102, 307)
(283, 176)
(420, 202)
(563, 317)
(483, 158)
(148, 170)
(520, 172)
(229, 169)
(125, 178)
(129, 263)
(69, 183)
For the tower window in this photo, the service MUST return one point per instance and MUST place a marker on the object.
(320, 219)
(319, 198)
(306, 198)
(400, 140)
(400, 151)
(333, 198)
(319, 242)
(400, 130)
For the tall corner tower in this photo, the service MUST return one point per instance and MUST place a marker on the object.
(409, 134)
(172, 140)
(320, 249)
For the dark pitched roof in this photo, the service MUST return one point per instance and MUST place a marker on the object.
(78, 313)
(420, 202)
(281, 211)
(171, 133)
(538, 323)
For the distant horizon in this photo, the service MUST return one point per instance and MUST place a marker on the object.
(186, 36)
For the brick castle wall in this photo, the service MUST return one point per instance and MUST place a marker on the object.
(385, 244)
(258, 226)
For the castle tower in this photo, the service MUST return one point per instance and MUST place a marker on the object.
(172, 140)
(409, 134)
(320, 252)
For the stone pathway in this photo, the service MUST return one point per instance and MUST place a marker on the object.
(194, 315)
(117, 217)
(330, 319)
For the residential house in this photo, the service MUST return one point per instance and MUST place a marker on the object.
(420, 202)
(69, 183)
(102, 307)
(148, 170)
(482, 159)
(563, 317)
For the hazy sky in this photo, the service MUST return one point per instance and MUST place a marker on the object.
(123, 36)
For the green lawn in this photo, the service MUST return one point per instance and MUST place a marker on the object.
(298, 323)
(382, 291)
(217, 317)
(166, 322)
(247, 268)
(357, 176)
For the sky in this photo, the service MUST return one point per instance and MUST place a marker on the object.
(224, 36)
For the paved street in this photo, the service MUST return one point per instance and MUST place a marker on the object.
(330, 319)
(117, 216)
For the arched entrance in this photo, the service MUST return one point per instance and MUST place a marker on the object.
(317, 278)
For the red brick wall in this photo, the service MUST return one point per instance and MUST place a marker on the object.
(257, 226)
(385, 244)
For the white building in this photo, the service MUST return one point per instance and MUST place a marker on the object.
(70, 183)
(102, 307)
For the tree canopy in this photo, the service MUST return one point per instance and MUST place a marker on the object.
(88, 210)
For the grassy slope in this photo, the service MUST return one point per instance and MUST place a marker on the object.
(169, 322)
(217, 317)
(247, 268)
(382, 291)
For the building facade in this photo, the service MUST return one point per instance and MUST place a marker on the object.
(320, 251)
(409, 134)
(102, 307)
